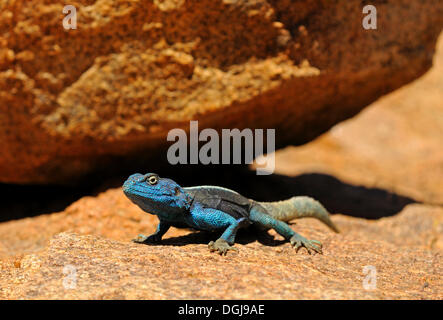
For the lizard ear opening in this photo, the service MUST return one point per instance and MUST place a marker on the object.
(184, 197)
(189, 200)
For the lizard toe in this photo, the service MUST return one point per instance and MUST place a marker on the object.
(298, 242)
(221, 246)
(140, 239)
(152, 239)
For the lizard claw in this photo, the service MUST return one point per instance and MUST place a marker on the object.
(146, 239)
(220, 245)
(297, 241)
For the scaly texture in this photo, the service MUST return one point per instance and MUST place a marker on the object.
(211, 208)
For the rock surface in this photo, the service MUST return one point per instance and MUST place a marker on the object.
(80, 101)
(405, 250)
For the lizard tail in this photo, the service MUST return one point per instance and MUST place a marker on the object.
(298, 207)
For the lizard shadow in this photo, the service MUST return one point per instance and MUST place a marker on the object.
(244, 236)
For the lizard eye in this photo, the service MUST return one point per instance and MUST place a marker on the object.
(152, 180)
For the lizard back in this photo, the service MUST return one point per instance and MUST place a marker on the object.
(222, 199)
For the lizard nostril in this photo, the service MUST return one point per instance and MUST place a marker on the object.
(177, 191)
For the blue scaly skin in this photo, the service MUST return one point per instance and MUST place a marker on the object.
(212, 208)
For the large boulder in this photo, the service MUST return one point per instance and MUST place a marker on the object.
(74, 102)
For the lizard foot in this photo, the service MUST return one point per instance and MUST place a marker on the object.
(220, 245)
(298, 241)
(146, 239)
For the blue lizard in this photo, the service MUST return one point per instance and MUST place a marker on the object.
(215, 208)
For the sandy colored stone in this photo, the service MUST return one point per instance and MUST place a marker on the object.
(108, 269)
(85, 101)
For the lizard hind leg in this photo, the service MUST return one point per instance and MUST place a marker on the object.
(261, 218)
(223, 244)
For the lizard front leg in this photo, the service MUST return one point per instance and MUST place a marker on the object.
(223, 244)
(156, 237)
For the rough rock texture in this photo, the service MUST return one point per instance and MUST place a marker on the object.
(396, 144)
(406, 251)
(73, 102)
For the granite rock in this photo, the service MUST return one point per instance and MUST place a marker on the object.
(75, 102)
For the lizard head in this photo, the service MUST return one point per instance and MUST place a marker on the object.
(159, 196)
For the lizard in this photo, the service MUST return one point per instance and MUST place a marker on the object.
(212, 208)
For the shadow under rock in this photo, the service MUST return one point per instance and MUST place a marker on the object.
(338, 197)
(18, 202)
